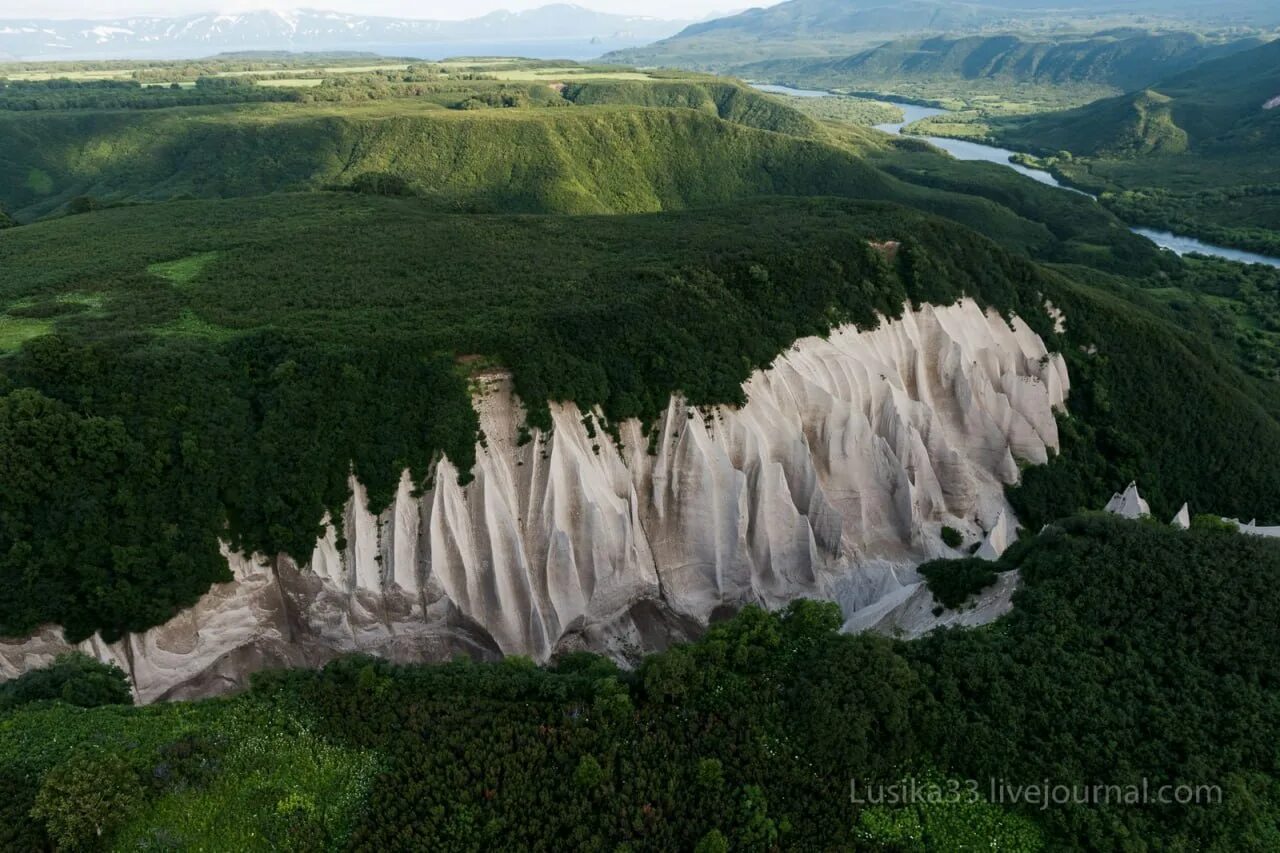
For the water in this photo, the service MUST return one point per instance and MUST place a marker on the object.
(787, 90)
(910, 113)
(576, 49)
(963, 149)
(1185, 245)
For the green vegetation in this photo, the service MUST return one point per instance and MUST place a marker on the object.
(863, 112)
(588, 160)
(1129, 419)
(342, 317)
(239, 773)
(723, 99)
(750, 738)
(996, 73)
(1192, 154)
(801, 31)
(320, 331)
(73, 678)
(953, 581)
(14, 331)
(184, 270)
(217, 369)
(259, 300)
(693, 144)
(1238, 305)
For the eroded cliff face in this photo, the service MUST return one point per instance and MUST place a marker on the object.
(834, 481)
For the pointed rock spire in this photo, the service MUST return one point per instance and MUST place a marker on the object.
(1183, 519)
(1128, 504)
(998, 540)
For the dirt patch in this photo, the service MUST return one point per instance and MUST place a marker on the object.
(888, 249)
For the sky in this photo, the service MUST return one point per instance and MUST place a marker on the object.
(441, 9)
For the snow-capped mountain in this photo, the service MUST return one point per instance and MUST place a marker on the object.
(309, 29)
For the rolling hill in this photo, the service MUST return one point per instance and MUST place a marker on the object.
(596, 146)
(1219, 107)
(1123, 60)
(1194, 152)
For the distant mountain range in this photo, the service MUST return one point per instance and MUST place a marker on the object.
(309, 29)
(833, 28)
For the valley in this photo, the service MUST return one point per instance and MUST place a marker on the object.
(968, 149)
(642, 452)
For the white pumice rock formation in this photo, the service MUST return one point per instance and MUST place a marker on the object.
(833, 481)
(1128, 504)
(1002, 534)
(1251, 528)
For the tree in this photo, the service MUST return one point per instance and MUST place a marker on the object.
(381, 183)
(82, 204)
(589, 773)
(74, 678)
(713, 842)
(6, 221)
(86, 798)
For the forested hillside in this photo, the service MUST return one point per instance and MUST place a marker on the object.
(1193, 153)
(595, 146)
(1120, 60)
(1217, 108)
(280, 336)
(224, 362)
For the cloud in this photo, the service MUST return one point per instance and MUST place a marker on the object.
(439, 9)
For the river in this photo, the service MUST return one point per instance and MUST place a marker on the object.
(963, 149)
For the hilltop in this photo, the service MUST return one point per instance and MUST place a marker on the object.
(1193, 152)
(1218, 107)
(560, 139)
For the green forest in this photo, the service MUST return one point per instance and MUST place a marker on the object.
(225, 366)
(221, 297)
(1191, 152)
(1135, 655)
(1047, 70)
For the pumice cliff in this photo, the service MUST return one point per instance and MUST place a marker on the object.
(833, 481)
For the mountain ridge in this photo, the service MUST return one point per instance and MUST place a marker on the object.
(308, 29)
(1127, 60)
(829, 28)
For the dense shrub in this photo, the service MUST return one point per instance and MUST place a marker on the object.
(953, 581)
(74, 678)
(86, 798)
(381, 183)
